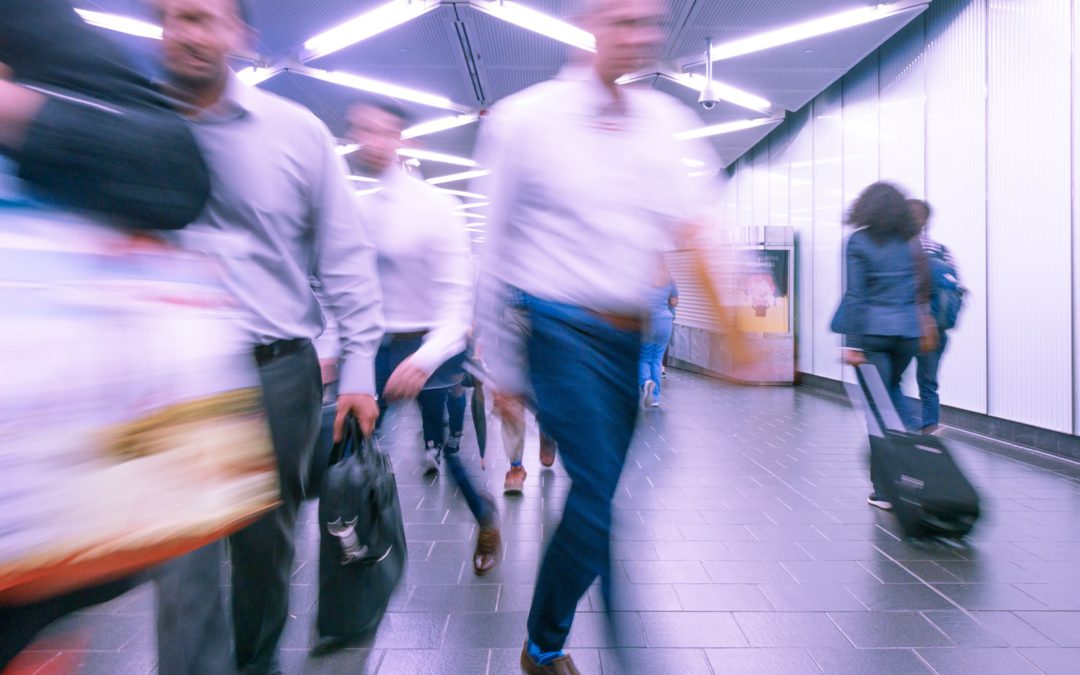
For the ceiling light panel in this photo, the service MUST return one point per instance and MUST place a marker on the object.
(430, 156)
(441, 124)
(120, 24)
(537, 22)
(254, 75)
(725, 128)
(812, 28)
(724, 92)
(361, 83)
(366, 25)
(456, 177)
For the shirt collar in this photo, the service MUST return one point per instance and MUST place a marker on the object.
(237, 101)
(597, 98)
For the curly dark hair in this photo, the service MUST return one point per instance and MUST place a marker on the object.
(883, 211)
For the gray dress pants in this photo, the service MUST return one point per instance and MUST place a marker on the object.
(193, 635)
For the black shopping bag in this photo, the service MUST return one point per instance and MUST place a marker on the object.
(362, 549)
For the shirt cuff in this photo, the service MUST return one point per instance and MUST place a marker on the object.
(356, 376)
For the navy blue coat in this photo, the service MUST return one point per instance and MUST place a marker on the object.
(882, 291)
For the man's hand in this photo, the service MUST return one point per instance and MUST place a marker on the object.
(362, 406)
(407, 381)
(854, 357)
(18, 107)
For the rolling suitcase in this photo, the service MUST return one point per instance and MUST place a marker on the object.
(362, 550)
(929, 493)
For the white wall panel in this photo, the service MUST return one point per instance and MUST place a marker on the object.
(828, 230)
(759, 160)
(1076, 217)
(744, 178)
(956, 182)
(861, 131)
(902, 101)
(799, 158)
(779, 206)
(1030, 211)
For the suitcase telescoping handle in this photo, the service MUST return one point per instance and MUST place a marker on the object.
(872, 396)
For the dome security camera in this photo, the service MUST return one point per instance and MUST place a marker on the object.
(708, 98)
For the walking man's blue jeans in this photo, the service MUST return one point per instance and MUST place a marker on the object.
(927, 376)
(584, 375)
(652, 351)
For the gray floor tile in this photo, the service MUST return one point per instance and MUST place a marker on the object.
(1002, 597)
(655, 660)
(1061, 627)
(692, 629)
(505, 661)
(963, 630)
(1015, 631)
(899, 596)
(982, 661)
(601, 630)
(878, 630)
(811, 598)
(869, 662)
(485, 630)
(743, 572)
(453, 599)
(665, 572)
(791, 629)
(1054, 661)
(722, 598)
(346, 662)
(762, 662)
(435, 662)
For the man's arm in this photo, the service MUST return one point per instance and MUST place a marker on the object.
(345, 265)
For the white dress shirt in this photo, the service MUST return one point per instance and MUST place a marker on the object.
(280, 212)
(586, 191)
(423, 260)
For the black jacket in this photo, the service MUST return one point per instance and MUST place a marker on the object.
(106, 141)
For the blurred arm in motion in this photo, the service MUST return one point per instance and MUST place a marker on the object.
(88, 132)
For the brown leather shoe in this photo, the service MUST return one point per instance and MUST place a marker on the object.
(515, 481)
(547, 450)
(486, 556)
(564, 665)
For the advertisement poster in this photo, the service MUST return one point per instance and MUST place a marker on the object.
(762, 287)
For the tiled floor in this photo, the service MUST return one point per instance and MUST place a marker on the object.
(744, 545)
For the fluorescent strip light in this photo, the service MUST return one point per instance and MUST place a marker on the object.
(474, 205)
(369, 191)
(429, 156)
(441, 124)
(693, 163)
(725, 128)
(462, 193)
(346, 149)
(120, 24)
(367, 25)
(474, 215)
(455, 177)
(538, 22)
(382, 88)
(812, 28)
(725, 92)
(254, 75)
(362, 179)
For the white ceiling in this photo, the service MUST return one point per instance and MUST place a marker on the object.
(473, 59)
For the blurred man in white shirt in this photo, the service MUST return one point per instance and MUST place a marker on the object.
(587, 188)
(423, 261)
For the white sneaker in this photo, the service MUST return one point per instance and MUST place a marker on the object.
(647, 393)
(432, 458)
(655, 403)
(879, 502)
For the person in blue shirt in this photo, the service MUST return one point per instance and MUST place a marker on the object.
(663, 298)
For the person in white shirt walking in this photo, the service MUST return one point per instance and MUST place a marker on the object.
(422, 249)
(587, 187)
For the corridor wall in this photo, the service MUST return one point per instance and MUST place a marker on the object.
(972, 107)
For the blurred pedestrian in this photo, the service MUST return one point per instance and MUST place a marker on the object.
(423, 250)
(664, 298)
(280, 211)
(587, 186)
(946, 301)
(884, 314)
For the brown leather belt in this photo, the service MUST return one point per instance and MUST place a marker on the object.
(624, 322)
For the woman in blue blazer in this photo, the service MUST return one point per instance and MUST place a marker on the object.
(883, 312)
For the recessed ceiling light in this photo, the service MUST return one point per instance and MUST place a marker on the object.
(455, 177)
(537, 22)
(361, 83)
(429, 156)
(441, 124)
(366, 25)
(725, 128)
(120, 24)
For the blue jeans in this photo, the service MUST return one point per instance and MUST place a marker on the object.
(582, 371)
(652, 351)
(928, 364)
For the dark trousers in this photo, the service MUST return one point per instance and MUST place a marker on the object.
(927, 376)
(192, 633)
(433, 403)
(584, 374)
(891, 355)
